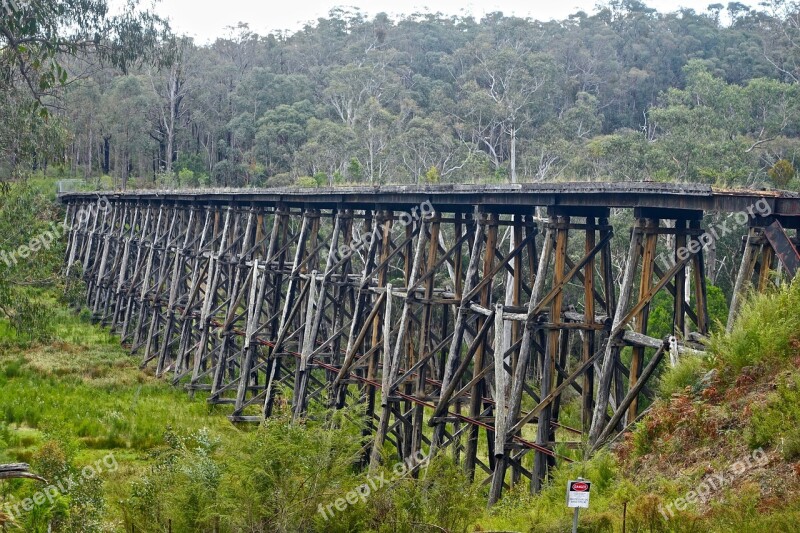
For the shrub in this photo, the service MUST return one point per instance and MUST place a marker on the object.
(321, 179)
(280, 180)
(187, 178)
(433, 176)
(687, 373)
(306, 182)
(765, 333)
(781, 173)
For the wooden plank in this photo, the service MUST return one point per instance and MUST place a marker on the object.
(543, 432)
(478, 361)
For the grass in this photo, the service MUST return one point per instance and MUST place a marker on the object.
(86, 392)
(181, 460)
(778, 422)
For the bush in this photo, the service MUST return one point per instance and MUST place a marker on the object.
(766, 332)
(279, 475)
(306, 182)
(280, 180)
(433, 176)
(321, 179)
(687, 373)
(187, 178)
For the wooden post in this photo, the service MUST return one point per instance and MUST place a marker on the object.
(544, 431)
(679, 310)
(700, 289)
(742, 278)
(456, 345)
(587, 387)
(642, 318)
(502, 397)
(476, 395)
(380, 434)
(612, 350)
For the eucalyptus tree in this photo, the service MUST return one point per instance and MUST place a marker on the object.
(506, 87)
(171, 85)
(35, 38)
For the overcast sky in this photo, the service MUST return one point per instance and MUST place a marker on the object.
(206, 19)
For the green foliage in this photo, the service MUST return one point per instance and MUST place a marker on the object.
(662, 312)
(354, 169)
(781, 173)
(31, 319)
(280, 473)
(38, 39)
(433, 176)
(717, 308)
(187, 178)
(31, 252)
(80, 506)
(765, 332)
(779, 421)
(624, 93)
(321, 179)
(546, 512)
(306, 182)
(687, 373)
(442, 496)
(192, 162)
(661, 323)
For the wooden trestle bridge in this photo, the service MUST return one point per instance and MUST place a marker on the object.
(460, 318)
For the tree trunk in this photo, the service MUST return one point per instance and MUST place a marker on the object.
(513, 155)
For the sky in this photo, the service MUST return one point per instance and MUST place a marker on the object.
(207, 19)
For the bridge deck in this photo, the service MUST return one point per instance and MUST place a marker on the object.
(492, 198)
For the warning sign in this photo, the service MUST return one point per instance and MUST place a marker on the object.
(578, 493)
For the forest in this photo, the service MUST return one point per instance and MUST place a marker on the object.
(624, 93)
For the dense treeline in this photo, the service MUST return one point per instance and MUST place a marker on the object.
(625, 93)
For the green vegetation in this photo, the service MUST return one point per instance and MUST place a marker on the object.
(622, 93)
(687, 373)
(72, 396)
(765, 335)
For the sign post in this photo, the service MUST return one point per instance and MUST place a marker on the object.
(578, 498)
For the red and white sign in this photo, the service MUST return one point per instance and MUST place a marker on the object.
(578, 493)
